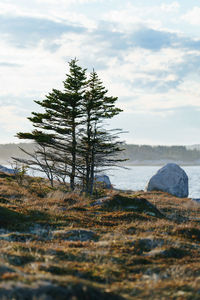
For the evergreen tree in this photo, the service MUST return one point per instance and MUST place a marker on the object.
(59, 124)
(71, 134)
(99, 146)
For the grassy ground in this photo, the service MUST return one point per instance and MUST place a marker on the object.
(57, 245)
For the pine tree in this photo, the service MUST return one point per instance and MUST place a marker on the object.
(100, 147)
(59, 124)
(71, 136)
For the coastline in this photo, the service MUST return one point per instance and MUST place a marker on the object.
(161, 163)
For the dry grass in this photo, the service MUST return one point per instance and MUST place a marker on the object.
(59, 239)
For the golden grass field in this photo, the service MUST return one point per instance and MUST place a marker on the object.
(59, 245)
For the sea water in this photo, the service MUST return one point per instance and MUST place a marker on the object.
(136, 178)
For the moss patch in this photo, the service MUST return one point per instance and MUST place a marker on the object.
(9, 218)
(136, 204)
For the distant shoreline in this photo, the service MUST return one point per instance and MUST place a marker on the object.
(139, 163)
(137, 155)
(160, 163)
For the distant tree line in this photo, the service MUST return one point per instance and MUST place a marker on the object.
(141, 153)
(144, 153)
(70, 135)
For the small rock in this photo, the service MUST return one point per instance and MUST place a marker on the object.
(104, 180)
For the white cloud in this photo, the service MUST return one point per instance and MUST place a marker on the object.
(129, 78)
(192, 16)
(10, 118)
(49, 10)
(37, 73)
(151, 16)
(170, 7)
(149, 61)
(187, 95)
(141, 64)
(68, 2)
(159, 68)
(132, 16)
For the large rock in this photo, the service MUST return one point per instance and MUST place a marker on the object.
(104, 180)
(171, 179)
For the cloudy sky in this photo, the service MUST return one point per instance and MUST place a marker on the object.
(146, 52)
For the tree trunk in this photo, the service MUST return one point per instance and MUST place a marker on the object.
(91, 183)
(73, 172)
(88, 155)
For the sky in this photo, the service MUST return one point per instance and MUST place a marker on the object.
(147, 53)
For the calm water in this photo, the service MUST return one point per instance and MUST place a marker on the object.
(137, 177)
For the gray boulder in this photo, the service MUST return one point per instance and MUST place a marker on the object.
(104, 180)
(170, 179)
